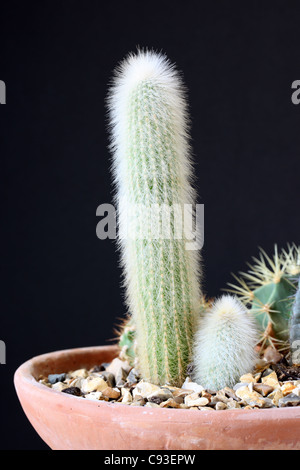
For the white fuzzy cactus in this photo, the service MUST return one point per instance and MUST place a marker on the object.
(152, 167)
(224, 347)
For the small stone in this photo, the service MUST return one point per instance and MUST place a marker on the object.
(180, 392)
(54, 378)
(271, 379)
(287, 388)
(140, 402)
(189, 385)
(195, 400)
(107, 376)
(239, 385)
(230, 393)
(72, 391)
(207, 395)
(45, 382)
(83, 373)
(133, 377)
(232, 404)
(112, 393)
(59, 386)
(263, 389)
(296, 391)
(205, 408)
(151, 405)
(115, 366)
(137, 397)
(126, 396)
(68, 380)
(261, 365)
(93, 384)
(145, 389)
(212, 392)
(268, 403)
(257, 377)
(250, 398)
(121, 377)
(93, 396)
(267, 371)
(272, 356)
(275, 396)
(221, 406)
(179, 400)
(289, 400)
(219, 397)
(247, 378)
(76, 382)
(158, 396)
(170, 403)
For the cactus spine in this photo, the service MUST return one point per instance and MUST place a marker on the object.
(224, 346)
(295, 329)
(152, 167)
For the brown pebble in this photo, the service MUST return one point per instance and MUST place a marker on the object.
(170, 403)
(207, 395)
(221, 406)
(272, 356)
(263, 389)
(111, 393)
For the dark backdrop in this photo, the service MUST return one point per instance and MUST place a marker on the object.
(60, 285)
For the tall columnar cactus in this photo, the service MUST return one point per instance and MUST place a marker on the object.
(125, 333)
(152, 168)
(267, 289)
(224, 347)
(295, 329)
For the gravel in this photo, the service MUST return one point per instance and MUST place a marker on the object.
(272, 385)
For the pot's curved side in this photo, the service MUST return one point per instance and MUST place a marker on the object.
(70, 423)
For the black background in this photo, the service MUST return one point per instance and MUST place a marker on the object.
(60, 285)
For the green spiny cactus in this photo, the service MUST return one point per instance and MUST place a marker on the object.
(152, 168)
(267, 289)
(295, 329)
(224, 347)
(125, 336)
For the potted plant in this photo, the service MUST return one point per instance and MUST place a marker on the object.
(183, 376)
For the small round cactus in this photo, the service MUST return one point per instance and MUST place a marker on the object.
(267, 289)
(125, 336)
(224, 346)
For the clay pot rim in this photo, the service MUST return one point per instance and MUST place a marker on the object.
(25, 374)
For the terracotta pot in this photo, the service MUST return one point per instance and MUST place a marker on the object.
(66, 422)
